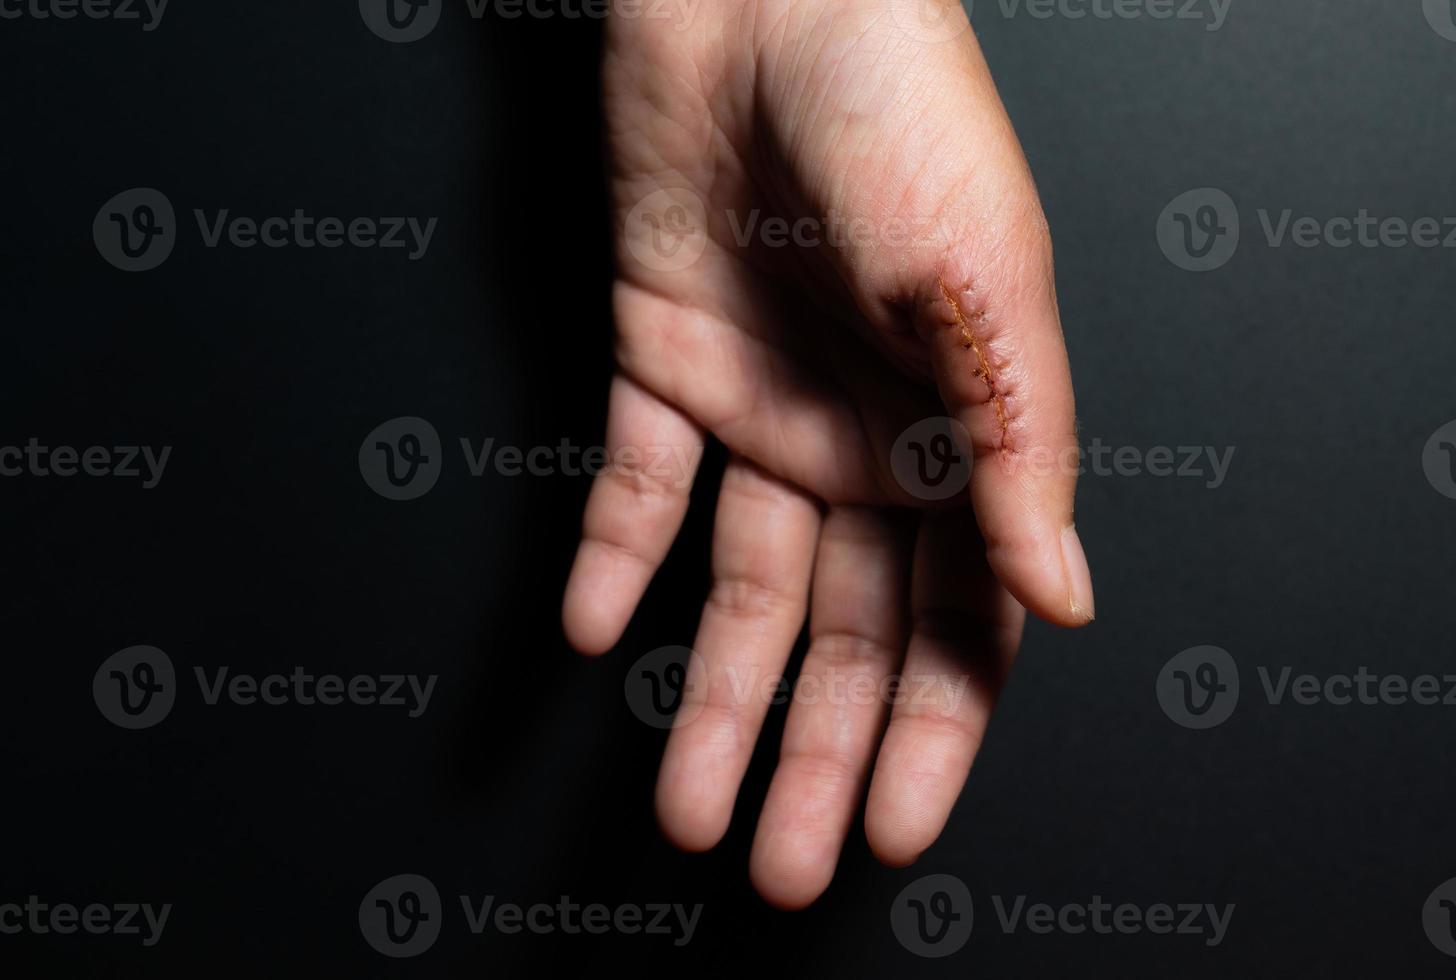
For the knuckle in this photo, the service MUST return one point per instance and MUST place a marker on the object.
(743, 598)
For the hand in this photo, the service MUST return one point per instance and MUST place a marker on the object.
(920, 284)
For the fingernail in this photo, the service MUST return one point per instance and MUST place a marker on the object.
(1079, 576)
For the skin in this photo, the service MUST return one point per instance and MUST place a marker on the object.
(807, 360)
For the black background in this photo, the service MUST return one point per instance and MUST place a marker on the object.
(529, 778)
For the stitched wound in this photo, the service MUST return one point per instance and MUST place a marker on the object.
(983, 366)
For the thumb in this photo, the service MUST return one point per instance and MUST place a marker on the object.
(890, 121)
(971, 297)
(996, 351)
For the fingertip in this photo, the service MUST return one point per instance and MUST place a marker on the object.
(688, 832)
(892, 853)
(1047, 572)
(894, 840)
(1083, 607)
(584, 639)
(691, 819)
(789, 869)
(785, 894)
(592, 627)
(788, 886)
